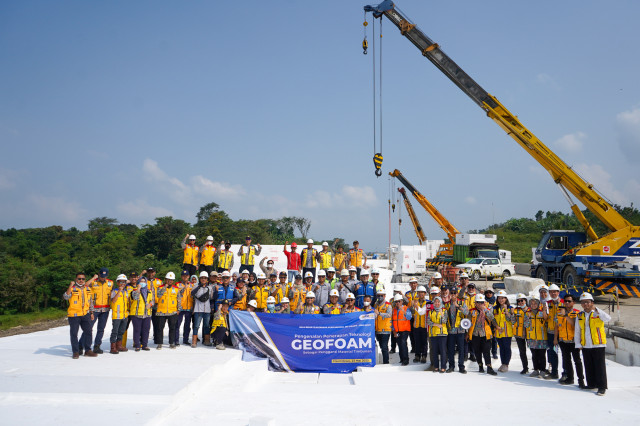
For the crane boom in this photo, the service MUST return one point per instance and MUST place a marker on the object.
(561, 173)
(414, 219)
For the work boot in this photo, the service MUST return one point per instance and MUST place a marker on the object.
(76, 355)
(220, 346)
(172, 346)
(563, 379)
(501, 368)
(472, 358)
(417, 358)
(137, 349)
(567, 381)
(80, 351)
(524, 371)
(550, 376)
(159, 346)
(89, 352)
(450, 370)
(423, 359)
(601, 392)
(463, 370)
(581, 384)
(97, 350)
(145, 348)
(535, 373)
(194, 341)
(480, 368)
(113, 349)
(431, 368)
(207, 340)
(392, 351)
(121, 347)
(491, 371)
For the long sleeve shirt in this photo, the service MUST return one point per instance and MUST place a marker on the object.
(588, 342)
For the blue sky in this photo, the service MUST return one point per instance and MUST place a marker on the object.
(136, 110)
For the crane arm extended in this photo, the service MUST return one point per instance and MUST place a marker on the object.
(561, 173)
(412, 215)
(446, 226)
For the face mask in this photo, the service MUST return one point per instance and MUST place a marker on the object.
(270, 306)
(380, 298)
(143, 284)
(367, 303)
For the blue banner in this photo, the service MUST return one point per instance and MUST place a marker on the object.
(306, 343)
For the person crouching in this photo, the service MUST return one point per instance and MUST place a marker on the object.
(220, 327)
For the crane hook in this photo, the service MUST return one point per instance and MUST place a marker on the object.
(377, 162)
(365, 45)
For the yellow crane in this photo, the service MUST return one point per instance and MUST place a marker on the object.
(414, 219)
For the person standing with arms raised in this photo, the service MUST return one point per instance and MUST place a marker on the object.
(357, 258)
(190, 254)
(294, 262)
(206, 255)
(248, 253)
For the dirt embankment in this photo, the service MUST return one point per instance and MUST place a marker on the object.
(36, 326)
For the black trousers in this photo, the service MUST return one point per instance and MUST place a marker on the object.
(220, 336)
(394, 342)
(403, 350)
(383, 341)
(76, 323)
(156, 327)
(439, 350)
(249, 268)
(569, 350)
(595, 367)
(420, 336)
(482, 348)
(173, 320)
(538, 358)
(207, 268)
(191, 268)
(522, 349)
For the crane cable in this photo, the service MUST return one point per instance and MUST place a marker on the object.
(377, 155)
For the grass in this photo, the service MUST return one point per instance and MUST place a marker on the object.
(519, 244)
(13, 320)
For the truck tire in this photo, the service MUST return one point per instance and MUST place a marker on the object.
(570, 276)
(506, 273)
(542, 274)
(475, 275)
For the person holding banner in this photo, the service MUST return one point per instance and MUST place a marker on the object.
(350, 305)
(401, 327)
(419, 313)
(332, 307)
(383, 311)
(309, 306)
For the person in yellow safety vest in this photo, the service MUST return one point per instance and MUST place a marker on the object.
(480, 333)
(535, 323)
(519, 331)
(260, 293)
(248, 253)
(153, 284)
(169, 299)
(350, 305)
(340, 259)
(468, 291)
(309, 259)
(437, 320)
(119, 314)
(279, 288)
(565, 337)
(220, 326)
(552, 303)
(590, 336)
(225, 257)
(141, 301)
(241, 296)
(332, 307)
(457, 311)
(284, 306)
(206, 255)
(503, 314)
(357, 258)
(80, 314)
(325, 257)
(382, 312)
(100, 292)
(309, 306)
(185, 310)
(297, 293)
(419, 313)
(190, 254)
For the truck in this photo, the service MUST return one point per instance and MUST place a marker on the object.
(490, 268)
(610, 262)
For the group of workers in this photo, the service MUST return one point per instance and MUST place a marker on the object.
(451, 319)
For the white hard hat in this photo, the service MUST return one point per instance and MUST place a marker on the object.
(121, 277)
(364, 272)
(202, 274)
(244, 271)
(434, 290)
(501, 293)
(543, 287)
(225, 274)
(554, 287)
(422, 288)
(437, 275)
(352, 268)
(381, 290)
(521, 296)
(464, 275)
(350, 296)
(397, 287)
(271, 299)
(375, 271)
(309, 241)
(285, 300)
(413, 280)
(253, 303)
(322, 273)
(480, 298)
(344, 272)
(209, 238)
(334, 292)
(192, 237)
(308, 274)
(397, 297)
(170, 276)
(586, 296)
(331, 269)
(261, 275)
(310, 294)
(325, 244)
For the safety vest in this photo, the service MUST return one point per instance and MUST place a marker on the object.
(596, 326)
(241, 304)
(383, 324)
(207, 254)
(338, 260)
(487, 327)
(538, 328)
(420, 321)
(471, 300)
(190, 255)
(436, 318)
(120, 305)
(186, 304)
(333, 309)
(553, 312)
(219, 320)
(79, 302)
(305, 253)
(260, 295)
(153, 286)
(356, 257)
(411, 296)
(313, 309)
(224, 259)
(350, 310)
(101, 293)
(502, 321)
(518, 326)
(168, 302)
(459, 314)
(399, 319)
(279, 291)
(325, 259)
(248, 258)
(141, 307)
(297, 297)
(224, 294)
(567, 328)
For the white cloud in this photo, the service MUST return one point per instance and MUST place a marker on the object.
(628, 129)
(363, 196)
(601, 180)
(140, 209)
(470, 199)
(56, 209)
(349, 197)
(7, 179)
(203, 186)
(572, 142)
